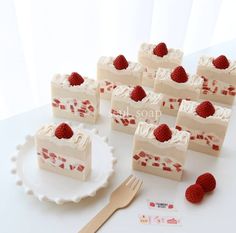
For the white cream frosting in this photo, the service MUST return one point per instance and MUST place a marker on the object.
(134, 68)
(89, 85)
(79, 139)
(175, 55)
(206, 61)
(193, 83)
(151, 100)
(179, 139)
(221, 115)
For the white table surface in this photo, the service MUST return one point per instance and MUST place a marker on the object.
(26, 214)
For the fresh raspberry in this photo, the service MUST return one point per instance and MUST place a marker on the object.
(194, 193)
(75, 79)
(221, 62)
(179, 75)
(137, 93)
(207, 181)
(205, 109)
(160, 50)
(162, 133)
(120, 62)
(63, 131)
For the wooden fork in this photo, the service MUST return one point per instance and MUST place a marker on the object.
(121, 197)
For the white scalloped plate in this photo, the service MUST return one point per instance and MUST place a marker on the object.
(57, 188)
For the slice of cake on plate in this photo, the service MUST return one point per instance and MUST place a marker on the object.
(207, 124)
(160, 150)
(129, 105)
(153, 56)
(176, 85)
(219, 79)
(75, 97)
(116, 71)
(64, 150)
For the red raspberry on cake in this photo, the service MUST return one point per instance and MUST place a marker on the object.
(179, 75)
(63, 131)
(162, 133)
(75, 79)
(137, 94)
(120, 62)
(205, 109)
(221, 62)
(160, 50)
(207, 182)
(194, 193)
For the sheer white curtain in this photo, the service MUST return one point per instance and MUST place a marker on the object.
(39, 38)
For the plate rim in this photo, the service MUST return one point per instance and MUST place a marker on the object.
(41, 197)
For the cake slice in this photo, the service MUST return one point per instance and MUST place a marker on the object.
(64, 150)
(219, 79)
(116, 71)
(176, 85)
(153, 56)
(160, 150)
(75, 97)
(129, 105)
(207, 124)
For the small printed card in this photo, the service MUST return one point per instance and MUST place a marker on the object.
(161, 205)
(145, 219)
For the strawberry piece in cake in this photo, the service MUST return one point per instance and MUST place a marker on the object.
(64, 150)
(153, 56)
(129, 105)
(219, 79)
(176, 85)
(75, 97)
(207, 124)
(116, 71)
(160, 150)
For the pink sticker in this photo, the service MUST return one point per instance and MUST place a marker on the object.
(146, 219)
(161, 205)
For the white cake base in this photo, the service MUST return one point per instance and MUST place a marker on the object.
(168, 111)
(121, 128)
(76, 175)
(157, 171)
(70, 116)
(203, 149)
(228, 100)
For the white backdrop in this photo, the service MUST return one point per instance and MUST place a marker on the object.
(39, 38)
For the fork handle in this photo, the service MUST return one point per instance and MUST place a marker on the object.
(99, 219)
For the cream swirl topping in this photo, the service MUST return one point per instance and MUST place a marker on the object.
(107, 63)
(178, 139)
(164, 75)
(89, 85)
(221, 114)
(79, 138)
(152, 99)
(206, 61)
(173, 54)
